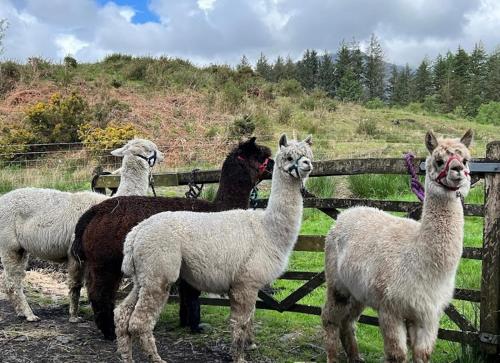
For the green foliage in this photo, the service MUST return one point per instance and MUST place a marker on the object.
(431, 104)
(308, 103)
(285, 113)
(232, 96)
(242, 126)
(14, 140)
(112, 136)
(367, 127)
(374, 71)
(290, 87)
(70, 62)
(378, 186)
(374, 104)
(489, 113)
(109, 109)
(322, 187)
(307, 69)
(10, 73)
(59, 119)
(209, 192)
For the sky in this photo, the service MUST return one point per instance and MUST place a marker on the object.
(221, 31)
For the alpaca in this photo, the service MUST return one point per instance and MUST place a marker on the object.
(237, 251)
(402, 268)
(41, 222)
(101, 231)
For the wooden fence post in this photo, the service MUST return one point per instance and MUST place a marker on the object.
(490, 278)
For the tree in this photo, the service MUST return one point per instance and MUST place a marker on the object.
(374, 70)
(477, 73)
(326, 74)
(290, 69)
(244, 63)
(307, 69)
(278, 71)
(349, 89)
(493, 76)
(343, 64)
(263, 68)
(3, 28)
(392, 85)
(423, 81)
(459, 79)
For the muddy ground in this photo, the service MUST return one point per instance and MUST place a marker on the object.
(54, 339)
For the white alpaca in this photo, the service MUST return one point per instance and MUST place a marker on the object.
(236, 251)
(41, 223)
(402, 268)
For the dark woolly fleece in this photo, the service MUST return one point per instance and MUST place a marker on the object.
(101, 231)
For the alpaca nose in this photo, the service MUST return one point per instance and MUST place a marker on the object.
(456, 166)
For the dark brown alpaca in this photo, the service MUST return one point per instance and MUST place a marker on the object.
(101, 231)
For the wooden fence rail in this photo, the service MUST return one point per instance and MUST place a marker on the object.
(488, 334)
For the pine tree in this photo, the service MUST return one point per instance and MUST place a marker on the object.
(423, 82)
(342, 65)
(477, 72)
(290, 69)
(263, 68)
(326, 74)
(349, 89)
(402, 86)
(356, 60)
(392, 86)
(244, 64)
(493, 77)
(374, 70)
(459, 79)
(443, 79)
(307, 69)
(278, 71)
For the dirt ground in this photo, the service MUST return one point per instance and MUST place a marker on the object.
(54, 339)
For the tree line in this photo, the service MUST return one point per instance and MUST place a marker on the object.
(455, 82)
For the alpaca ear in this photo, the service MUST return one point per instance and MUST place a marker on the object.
(308, 140)
(120, 151)
(252, 140)
(430, 141)
(467, 138)
(283, 141)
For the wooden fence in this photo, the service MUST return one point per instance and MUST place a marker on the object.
(488, 168)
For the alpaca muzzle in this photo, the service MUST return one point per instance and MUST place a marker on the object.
(453, 163)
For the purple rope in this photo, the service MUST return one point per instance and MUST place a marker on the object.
(415, 185)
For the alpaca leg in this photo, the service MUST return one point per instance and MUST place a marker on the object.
(102, 286)
(394, 333)
(189, 312)
(14, 263)
(122, 318)
(250, 338)
(334, 315)
(423, 336)
(347, 331)
(145, 315)
(242, 307)
(75, 282)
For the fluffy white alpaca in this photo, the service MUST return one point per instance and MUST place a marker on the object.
(41, 223)
(402, 268)
(236, 251)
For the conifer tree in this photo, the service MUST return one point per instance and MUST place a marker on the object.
(423, 81)
(307, 69)
(326, 74)
(374, 69)
(278, 70)
(477, 72)
(244, 63)
(493, 77)
(263, 68)
(290, 69)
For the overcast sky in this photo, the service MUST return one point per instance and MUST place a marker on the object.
(220, 31)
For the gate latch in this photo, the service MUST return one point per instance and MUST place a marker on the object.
(489, 338)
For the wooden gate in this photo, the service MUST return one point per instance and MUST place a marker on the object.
(488, 334)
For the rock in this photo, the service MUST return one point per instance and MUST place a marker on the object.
(289, 337)
(64, 339)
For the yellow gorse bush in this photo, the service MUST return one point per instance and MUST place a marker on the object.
(114, 135)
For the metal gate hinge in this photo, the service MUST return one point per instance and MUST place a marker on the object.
(489, 338)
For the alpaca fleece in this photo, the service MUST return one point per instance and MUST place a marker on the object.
(236, 251)
(41, 223)
(402, 268)
(101, 231)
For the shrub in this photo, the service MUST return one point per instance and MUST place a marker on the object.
(14, 140)
(374, 104)
(70, 62)
(97, 139)
(232, 96)
(9, 75)
(58, 119)
(136, 69)
(329, 104)
(110, 109)
(367, 127)
(459, 111)
(489, 113)
(414, 107)
(290, 87)
(243, 126)
(431, 104)
(308, 103)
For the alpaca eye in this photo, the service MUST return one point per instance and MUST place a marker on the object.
(289, 158)
(439, 162)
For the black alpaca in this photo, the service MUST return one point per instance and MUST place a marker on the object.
(101, 231)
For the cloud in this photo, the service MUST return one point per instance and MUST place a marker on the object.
(222, 30)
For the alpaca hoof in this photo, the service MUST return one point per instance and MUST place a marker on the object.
(202, 328)
(32, 318)
(252, 346)
(75, 319)
(110, 336)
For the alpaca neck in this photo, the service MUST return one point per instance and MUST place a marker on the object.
(233, 193)
(284, 210)
(134, 177)
(441, 230)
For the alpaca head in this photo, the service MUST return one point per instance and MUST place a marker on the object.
(447, 167)
(249, 160)
(144, 150)
(294, 158)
